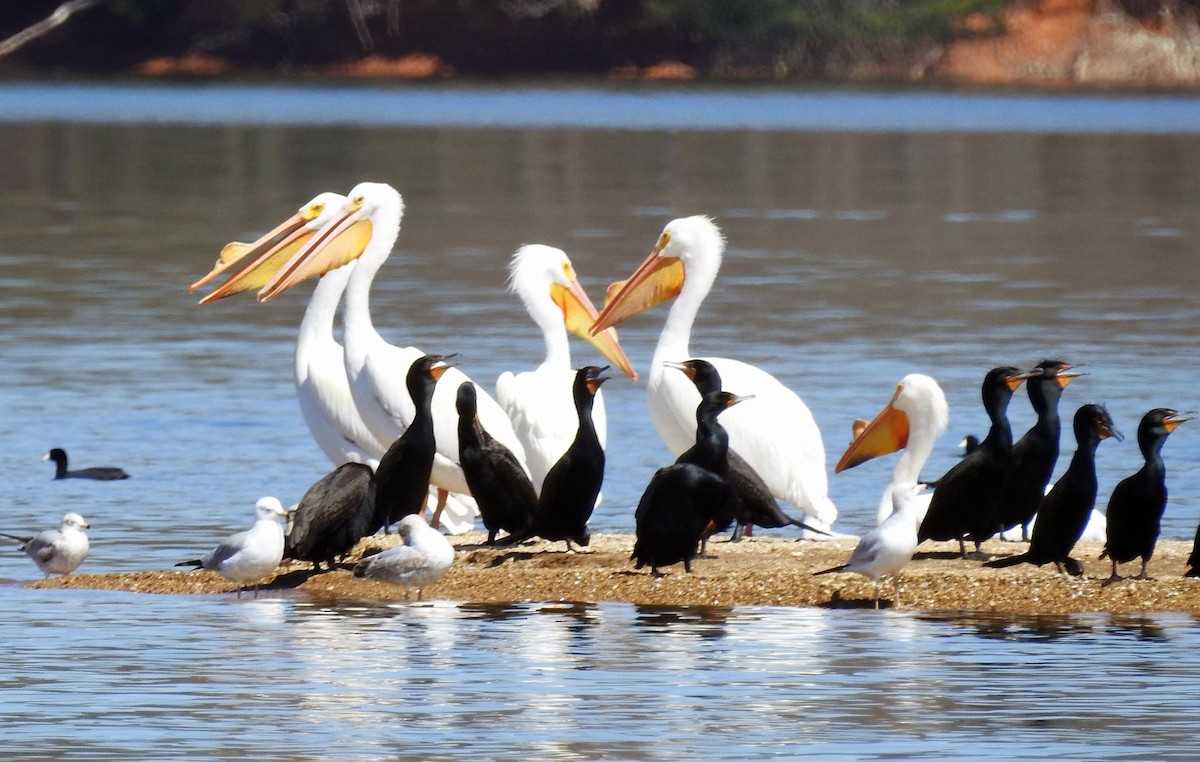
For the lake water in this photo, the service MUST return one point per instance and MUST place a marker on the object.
(870, 235)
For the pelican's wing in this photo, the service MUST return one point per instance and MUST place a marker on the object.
(542, 412)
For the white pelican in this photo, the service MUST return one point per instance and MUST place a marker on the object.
(775, 432)
(321, 386)
(57, 551)
(248, 557)
(365, 229)
(916, 416)
(539, 401)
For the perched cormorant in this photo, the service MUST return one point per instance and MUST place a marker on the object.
(572, 484)
(757, 506)
(334, 514)
(964, 502)
(1035, 453)
(57, 551)
(1063, 512)
(1136, 506)
(1193, 561)
(248, 557)
(886, 549)
(402, 479)
(100, 473)
(689, 500)
(498, 482)
(423, 559)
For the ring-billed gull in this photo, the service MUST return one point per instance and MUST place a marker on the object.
(57, 551)
(886, 550)
(423, 559)
(248, 557)
(101, 473)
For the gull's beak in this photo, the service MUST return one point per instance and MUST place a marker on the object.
(578, 316)
(265, 256)
(658, 279)
(887, 433)
(341, 241)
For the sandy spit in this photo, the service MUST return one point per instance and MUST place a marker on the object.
(762, 571)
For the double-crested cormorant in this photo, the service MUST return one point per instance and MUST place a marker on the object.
(913, 420)
(100, 473)
(423, 559)
(1136, 506)
(690, 499)
(1193, 561)
(539, 402)
(496, 478)
(57, 551)
(402, 479)
(335, 513)
(1063, 512)
(884, 551)
(248, 557)
(1035, 453)
(964, 502)
(775, 433)
(570, 489)
(757, 507)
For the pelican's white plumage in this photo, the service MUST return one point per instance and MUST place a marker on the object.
(365, 229)
(539, 402)
(423, 559)
(57, 551)
(774, 432)
(913, 420)
(884, 551)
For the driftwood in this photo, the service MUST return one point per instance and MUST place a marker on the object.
(46, 25)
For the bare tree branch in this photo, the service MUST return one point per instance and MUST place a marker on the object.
(46, 25)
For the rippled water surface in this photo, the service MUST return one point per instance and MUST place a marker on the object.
(861, 248)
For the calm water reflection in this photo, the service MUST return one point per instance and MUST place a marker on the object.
(854, 258)
(282, 679)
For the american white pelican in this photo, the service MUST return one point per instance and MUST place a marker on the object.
(775, 432)
(539, 401)
(913, 420)
(365, 229)
(98, 473)
(321, 386)
(884, 551)
(57, 551)
(423, 559)
(248, 557)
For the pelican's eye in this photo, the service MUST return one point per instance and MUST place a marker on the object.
(663, 240)
(313, 211)
(568, 271)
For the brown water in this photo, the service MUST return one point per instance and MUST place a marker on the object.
(854, 258)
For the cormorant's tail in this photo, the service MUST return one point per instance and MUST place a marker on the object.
(1004, 563)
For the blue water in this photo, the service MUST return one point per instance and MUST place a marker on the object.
(120, 676)
(870, 235)
(627, 107)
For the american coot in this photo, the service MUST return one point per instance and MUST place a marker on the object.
(102, 473)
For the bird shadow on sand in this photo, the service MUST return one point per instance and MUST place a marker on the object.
(937, 555)
(292, 579)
